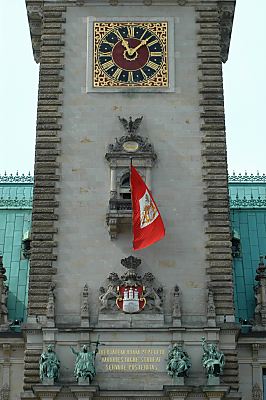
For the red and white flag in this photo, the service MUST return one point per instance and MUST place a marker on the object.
(148, 225)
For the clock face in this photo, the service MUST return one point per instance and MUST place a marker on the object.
(130, 54)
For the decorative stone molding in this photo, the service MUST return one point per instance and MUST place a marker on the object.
(211, 313)
(226, 14)
(176, 306)
(256, 392)
(46, 20)
(46, 392)
(218, 245)
(35, 15)
(84, 309)
(4, 392)
(50, 313)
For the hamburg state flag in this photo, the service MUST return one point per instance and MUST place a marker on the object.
(148, 225)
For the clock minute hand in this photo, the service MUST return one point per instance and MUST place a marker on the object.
(133, 51)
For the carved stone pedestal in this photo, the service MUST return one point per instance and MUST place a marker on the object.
(177, 392)
(216, 392)
(48, 381)
(179, 381)
(213, 381)
(83, 381)
(85, 392)
(46, 392)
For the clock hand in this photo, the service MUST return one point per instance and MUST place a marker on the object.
(125, 44)
(133, 51)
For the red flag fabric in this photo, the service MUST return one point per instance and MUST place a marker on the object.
(148, 225)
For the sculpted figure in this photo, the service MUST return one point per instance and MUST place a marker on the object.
(178, 362)
(49, 364)
(108, 296)
(176, 310)
(85, 363)
(212, 359)
(150, 293)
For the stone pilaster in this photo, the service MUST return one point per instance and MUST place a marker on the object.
(218, 244)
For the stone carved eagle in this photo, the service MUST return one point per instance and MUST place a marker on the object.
(131, 126)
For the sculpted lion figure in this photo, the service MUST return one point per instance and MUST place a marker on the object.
(108, 296)
(151, 293)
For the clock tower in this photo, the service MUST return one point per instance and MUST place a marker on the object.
(124, 82)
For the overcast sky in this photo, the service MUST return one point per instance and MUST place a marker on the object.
(244, 85)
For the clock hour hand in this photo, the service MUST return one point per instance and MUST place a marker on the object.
(125, 44)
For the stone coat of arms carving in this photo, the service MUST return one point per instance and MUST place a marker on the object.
(131, 293)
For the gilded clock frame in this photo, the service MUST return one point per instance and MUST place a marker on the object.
(159, 80)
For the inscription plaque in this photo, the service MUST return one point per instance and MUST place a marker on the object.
(132, 359)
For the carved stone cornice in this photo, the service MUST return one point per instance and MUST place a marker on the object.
(226, 13)
(35, 13)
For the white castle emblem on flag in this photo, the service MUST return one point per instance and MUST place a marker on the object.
(148, 210)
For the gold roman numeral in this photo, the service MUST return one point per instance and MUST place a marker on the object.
(155, 54)
(108, 64)
(142, 36)
(152, 65)
(117, 73)
(152, 43)
(143, 73)
(130, 76)
(108, 53)
(130, 31)
(118, 34)
(108, 43)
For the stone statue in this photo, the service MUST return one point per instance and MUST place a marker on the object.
(153, 296)
(108, 296)
(85, 363)
(49, 364)
(178, 362)
(176, 310)
(50, 309)
(212, 359)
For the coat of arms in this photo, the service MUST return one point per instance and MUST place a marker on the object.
(131, 293)
(131, 299)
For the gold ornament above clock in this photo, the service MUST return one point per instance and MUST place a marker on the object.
(130, 54)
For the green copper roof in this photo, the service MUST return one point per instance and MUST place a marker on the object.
(248, 220)
(15, 221)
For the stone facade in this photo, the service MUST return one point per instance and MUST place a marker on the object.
(72, 255)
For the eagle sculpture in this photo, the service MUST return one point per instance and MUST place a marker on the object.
(131, 126)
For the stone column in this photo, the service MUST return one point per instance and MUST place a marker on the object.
(6, 370)
(113, 189)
